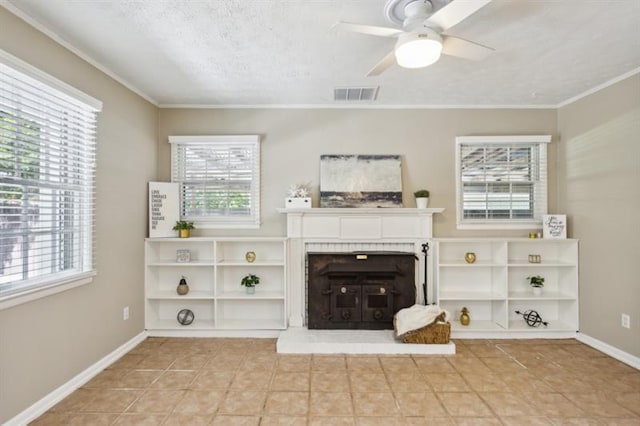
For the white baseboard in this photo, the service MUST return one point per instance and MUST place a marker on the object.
(612, 351)
(260, 334)
(40, 407)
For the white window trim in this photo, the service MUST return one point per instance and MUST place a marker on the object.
(510, 224)
(50, 288)
(59, 284)
(33, 72)
(204, 139)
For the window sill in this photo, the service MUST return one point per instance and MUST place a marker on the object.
(209, 225)
(500, 226)
(51, 288)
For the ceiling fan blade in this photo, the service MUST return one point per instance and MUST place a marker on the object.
(456, 46)
(369, 29)
(381, 66)
(455, 12)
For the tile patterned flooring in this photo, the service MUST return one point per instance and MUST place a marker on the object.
(175, 381)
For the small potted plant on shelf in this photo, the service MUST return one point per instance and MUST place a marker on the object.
(422, 198)
(536, 282)
(250, 282)
(184, 228)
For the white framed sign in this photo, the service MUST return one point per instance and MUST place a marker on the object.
(164, 210)
(554, 226)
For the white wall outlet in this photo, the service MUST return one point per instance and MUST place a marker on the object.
(125, 313)
(626, 321)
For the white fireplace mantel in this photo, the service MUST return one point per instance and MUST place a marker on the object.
(348, 225)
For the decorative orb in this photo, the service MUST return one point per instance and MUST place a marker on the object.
(470, 257)
(250, 256)
(185, 317)
(532, 318)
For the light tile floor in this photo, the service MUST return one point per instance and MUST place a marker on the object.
(174, 381)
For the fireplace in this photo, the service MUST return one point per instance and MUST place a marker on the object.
(350, 230)
(361, 290)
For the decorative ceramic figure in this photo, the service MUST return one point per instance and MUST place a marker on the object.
(470, 257)
(183, 287)
(465, 319)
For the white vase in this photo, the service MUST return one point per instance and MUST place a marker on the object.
(422, 203)
(537, 291)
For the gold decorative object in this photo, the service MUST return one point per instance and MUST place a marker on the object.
(535, 258)
(470, 257)
(465, 319)
(250, 256)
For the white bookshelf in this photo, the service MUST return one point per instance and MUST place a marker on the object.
(216, 298)
(495, 285)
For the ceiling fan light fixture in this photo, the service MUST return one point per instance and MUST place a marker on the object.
(418, 50)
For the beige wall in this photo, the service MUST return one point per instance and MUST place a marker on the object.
(46, 342)
(294, 139)
(599, 188)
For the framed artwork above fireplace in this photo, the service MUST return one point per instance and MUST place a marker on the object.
(360, 181)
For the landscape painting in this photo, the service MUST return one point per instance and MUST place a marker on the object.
(360, 181)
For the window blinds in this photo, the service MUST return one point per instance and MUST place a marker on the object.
(502, 179)
(219, 179)
(47, 179)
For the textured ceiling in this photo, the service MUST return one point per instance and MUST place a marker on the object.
(276, 52)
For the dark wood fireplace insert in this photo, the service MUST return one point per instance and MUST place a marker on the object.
(359, 290)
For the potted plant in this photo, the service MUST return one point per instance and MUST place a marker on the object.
(422, 198)
(536, 282)
(250, 282)
(298, 197)
(184, 228)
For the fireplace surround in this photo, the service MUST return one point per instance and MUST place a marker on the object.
(353, 229)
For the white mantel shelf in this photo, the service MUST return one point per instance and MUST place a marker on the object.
(360, 224)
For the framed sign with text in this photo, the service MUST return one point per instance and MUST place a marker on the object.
(164, 210)
(554, 226)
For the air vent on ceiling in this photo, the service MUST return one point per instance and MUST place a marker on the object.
(355, 94)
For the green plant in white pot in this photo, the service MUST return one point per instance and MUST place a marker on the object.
(250, 282)
(536, 282)
(422, 198)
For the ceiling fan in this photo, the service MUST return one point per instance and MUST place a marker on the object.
(421, 39)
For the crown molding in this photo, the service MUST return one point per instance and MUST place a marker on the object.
(598, 88)
(350, 106)
(69, 46)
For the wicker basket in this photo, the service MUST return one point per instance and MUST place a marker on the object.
(438, 332)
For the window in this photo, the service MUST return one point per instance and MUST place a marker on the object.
(501, 181)
(219, 179)
(47, 167)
